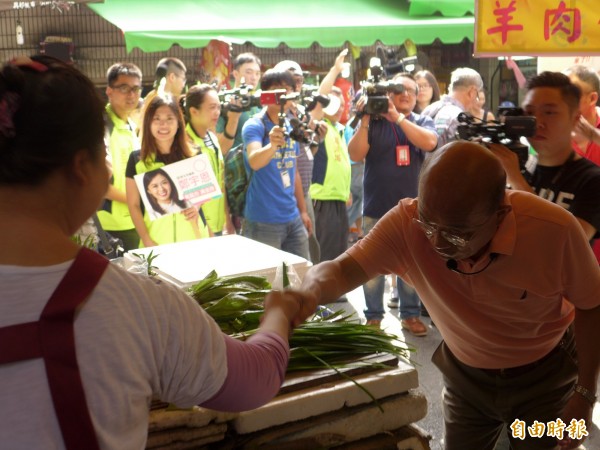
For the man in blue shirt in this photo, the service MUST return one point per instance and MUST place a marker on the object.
(275, 212)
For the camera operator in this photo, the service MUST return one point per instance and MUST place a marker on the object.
(305, 160)
(557, 173)
(275, 212)
(463, 95)
(393, 147)
(246, 68)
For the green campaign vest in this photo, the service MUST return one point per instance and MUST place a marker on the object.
(170, 228)
(122, 140)
(214, 210)
(336, 185)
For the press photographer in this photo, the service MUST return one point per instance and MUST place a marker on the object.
(376, 90)
(275, 212)
(305, 159)
(246, 71)
(394, 143)
(239, 99)
(556, 172)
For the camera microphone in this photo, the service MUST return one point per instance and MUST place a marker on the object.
(452, 265)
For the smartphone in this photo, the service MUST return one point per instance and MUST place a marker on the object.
(271, 97)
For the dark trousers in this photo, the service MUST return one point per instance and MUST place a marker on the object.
(331, 228)
(477, 403)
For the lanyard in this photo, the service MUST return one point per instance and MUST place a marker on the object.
(396, 134)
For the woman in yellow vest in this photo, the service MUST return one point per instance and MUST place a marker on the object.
(202, 110)
(163, 142)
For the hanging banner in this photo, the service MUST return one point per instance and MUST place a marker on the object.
(215, 64)
(537, 27)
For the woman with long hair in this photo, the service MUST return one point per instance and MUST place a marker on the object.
(202, 111)
(429, 90)
(86, 345)
(162, 194)
(163, 142)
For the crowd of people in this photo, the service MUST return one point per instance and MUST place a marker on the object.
(495, 250)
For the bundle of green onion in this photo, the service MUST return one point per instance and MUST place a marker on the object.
(325, 341)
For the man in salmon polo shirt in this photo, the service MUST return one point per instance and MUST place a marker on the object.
(513, 286)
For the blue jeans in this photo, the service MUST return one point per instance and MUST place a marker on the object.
(410, 304)
(290, 237)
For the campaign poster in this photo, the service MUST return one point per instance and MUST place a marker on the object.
(177, 186)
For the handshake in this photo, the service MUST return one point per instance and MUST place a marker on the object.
(289, 306)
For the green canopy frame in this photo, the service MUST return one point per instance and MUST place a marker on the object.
(155, 25)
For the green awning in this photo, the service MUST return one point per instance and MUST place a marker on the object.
(448, 8)
(155, 25)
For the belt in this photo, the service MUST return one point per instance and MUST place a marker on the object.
(512, 372)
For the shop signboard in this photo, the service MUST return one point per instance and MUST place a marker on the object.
(537, 27)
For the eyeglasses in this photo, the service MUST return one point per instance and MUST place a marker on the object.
(430, 229)
(401, 89)
(424, 86)
(125, 89)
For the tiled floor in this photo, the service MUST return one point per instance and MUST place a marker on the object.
(430, 381)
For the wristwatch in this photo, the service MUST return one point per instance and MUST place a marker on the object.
(400, 119)
(586, 393)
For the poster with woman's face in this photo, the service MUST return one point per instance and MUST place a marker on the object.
(177, 186)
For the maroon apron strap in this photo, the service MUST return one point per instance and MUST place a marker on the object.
(58, 349)
(28, 337)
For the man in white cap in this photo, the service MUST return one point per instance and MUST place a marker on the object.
(294, 68)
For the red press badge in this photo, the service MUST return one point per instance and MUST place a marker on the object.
(402, 155)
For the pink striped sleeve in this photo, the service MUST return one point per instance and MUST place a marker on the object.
(255, 372)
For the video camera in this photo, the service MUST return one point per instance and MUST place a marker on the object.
(513, 125)
(300, 131)
(376, 90)
(244, 94)
(310, 97)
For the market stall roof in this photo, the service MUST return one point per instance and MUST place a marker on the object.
(59, 5)
(155, 25)
(448, 8)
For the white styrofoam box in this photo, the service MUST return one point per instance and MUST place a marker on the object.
(186, 263)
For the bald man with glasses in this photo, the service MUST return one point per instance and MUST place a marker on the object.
(513, 287)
